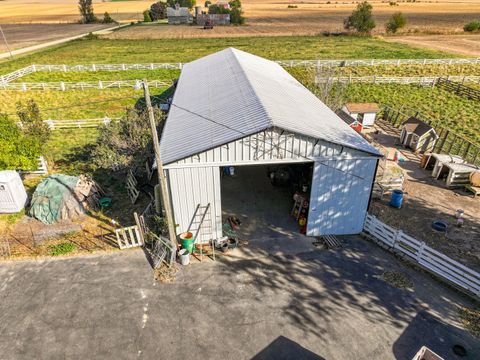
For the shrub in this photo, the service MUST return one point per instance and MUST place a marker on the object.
(292, 6)
(22, 145)
(472, 26)
(107, 19)
(147, 16)
(62, 248)
(236, 16)
(208, 3)
(361, 19)
(86, 11)
(396, 21)
(393, 3)
(158, 11)
(125, 143)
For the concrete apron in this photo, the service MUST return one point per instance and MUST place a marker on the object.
(267, 228)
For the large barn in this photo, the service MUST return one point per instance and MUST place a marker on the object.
(235, 109)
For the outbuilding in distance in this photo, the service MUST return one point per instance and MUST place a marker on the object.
(232, 108)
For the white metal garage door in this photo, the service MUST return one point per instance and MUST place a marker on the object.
(339, 196)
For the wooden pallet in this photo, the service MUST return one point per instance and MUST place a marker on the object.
(473, 189)
(331, 241)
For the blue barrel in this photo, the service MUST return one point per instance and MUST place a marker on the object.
(396, 199)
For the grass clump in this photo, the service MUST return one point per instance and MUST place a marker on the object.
(472, 26)
(397, 279)
(61, 249)
(470, 319)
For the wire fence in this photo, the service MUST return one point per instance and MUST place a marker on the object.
(458, 88)
(83, 85)
(449, 142)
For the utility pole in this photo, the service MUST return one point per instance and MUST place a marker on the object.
(161, 174)
(5, 40)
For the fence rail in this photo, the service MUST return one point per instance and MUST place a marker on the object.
(421, 80)
(16, 74)
(178, 66)
(448, 142)
(458, 87)
(83, 85)
(76, 123)
(418, 252)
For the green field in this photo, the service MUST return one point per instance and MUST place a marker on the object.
(76, 104)
(459, 114)
(78, 76)
(174, 50)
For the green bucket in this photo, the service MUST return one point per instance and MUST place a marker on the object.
(187, 240)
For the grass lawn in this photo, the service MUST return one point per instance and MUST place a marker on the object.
(64, 104)
(182, 50)
(78, 76)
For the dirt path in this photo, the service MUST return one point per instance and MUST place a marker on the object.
(468, 45)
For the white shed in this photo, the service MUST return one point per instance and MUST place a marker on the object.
(13, 196)
(233, 108)
(365, 113)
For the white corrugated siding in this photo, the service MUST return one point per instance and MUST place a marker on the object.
(190, 187)
(339, 196)
(272, 145)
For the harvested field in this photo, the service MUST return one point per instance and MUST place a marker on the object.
(63, 11)
(273, 18)
(21, 36)
(264, 17)
(467, 45)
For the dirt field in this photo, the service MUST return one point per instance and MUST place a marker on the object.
(20, 36)
(468, 45)
(426, 200)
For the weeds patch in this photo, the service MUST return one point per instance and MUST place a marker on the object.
(61, 249)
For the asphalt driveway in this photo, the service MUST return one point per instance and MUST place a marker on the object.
(316, 305)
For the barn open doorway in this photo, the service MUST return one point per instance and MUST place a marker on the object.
(262, 198)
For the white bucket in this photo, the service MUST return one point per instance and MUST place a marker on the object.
(184, 257)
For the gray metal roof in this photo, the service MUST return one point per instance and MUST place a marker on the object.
(232, 94)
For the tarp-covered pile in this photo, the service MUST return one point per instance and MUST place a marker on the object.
(61, 197)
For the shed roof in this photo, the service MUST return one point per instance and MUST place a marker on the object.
(416, 126)
(8, 175)
(231, 94)
(349, 120)
(362, 107)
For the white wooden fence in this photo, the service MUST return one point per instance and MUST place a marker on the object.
(176, 66)
(420, 80)
(418, 252)
(42, 168)
(76, 123)
(84, 85)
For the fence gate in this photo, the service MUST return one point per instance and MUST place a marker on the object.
(129, 237)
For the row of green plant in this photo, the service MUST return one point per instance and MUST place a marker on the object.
(166, 75)
(109, 51)
(454, 112)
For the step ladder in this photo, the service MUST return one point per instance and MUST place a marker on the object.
(298, 206)
(201, 226)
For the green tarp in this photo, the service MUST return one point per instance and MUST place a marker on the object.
(52, 196)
